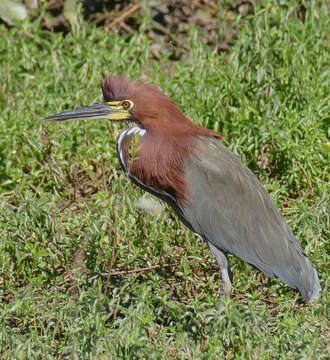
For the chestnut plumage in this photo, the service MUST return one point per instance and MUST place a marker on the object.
(210, 189)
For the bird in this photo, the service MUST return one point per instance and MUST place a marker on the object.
(208, 187)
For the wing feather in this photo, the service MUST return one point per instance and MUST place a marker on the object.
(231, 209)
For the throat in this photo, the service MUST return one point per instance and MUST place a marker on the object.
(122, 142)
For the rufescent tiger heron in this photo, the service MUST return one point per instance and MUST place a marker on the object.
(210, 189)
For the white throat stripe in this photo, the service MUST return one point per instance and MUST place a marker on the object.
(135, 130)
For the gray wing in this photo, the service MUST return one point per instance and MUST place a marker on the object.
(232, 210)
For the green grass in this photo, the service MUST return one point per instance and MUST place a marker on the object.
(69, 218)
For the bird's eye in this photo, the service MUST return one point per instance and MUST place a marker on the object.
(126, 104)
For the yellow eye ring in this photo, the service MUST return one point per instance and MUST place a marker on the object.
(127, 105)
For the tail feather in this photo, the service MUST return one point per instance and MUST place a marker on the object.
(301, 275)
(309, 287)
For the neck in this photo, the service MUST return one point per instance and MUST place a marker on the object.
(158, 163)
(132, 130)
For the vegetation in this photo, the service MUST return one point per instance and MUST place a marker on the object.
(85, 274)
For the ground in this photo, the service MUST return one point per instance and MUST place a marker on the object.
(84, 273)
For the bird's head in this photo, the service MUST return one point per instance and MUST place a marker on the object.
(126, 100)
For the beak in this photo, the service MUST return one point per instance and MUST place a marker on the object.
(92, 112)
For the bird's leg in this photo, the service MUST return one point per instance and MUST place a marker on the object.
(225, 273)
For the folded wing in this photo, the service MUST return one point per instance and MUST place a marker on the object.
(232, 210)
